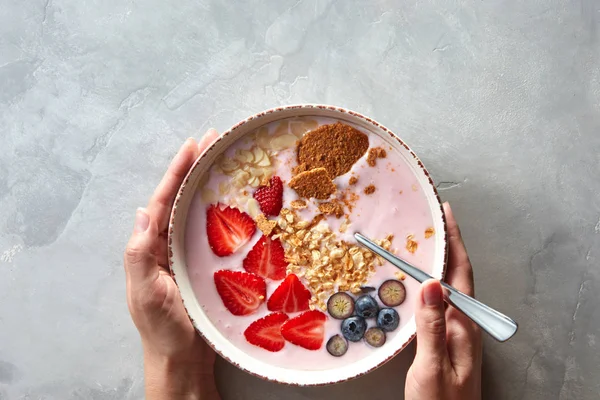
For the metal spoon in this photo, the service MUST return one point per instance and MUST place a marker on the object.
(498, 325)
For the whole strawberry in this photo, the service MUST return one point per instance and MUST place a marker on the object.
(270, 196)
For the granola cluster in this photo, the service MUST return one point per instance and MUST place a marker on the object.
(326, 263)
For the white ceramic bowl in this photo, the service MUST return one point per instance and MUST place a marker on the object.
(177, 259)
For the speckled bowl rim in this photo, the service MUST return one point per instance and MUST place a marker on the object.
(231, 131)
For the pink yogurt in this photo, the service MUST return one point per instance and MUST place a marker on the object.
(397, 207)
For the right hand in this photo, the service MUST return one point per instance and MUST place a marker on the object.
(447, 365)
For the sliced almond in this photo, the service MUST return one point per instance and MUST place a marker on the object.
(263, 138)
(283, 142)
(266, 174)
(248, 155)
(298, 128)
(254, 172)
(241, 175)
(223, 188)
(254, 182)
(265, 162)
(258, 154)
(240, 179)
(311, 124)
(282, 128)
(229, 165)
(209, 195)
(253, 208)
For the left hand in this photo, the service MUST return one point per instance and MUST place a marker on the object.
(447, 365)
(177, 360)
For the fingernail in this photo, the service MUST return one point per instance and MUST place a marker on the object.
(447, 208)
(432, 294)
(142, 220)
(188, 142)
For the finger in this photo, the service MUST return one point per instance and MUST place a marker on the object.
(161, 251)
(209, 137)
(464, 341)
(460, 272)
(431, 325)
(140, 261)
(161, 201)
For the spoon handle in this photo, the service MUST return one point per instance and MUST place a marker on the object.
(496, 324)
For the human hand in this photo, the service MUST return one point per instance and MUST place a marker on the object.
(178, 364)
(447, 365)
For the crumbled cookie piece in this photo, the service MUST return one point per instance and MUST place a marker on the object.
(314, 183)
(374, 154)
(353, 180)
(265, 226)
(298, 204)
(335, 147)
(332, 208)
(370, 189)
(316, 219)
(349, 198)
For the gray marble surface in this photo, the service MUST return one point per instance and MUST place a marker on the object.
(501, 99)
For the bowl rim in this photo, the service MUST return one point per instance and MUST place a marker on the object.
(261, 114)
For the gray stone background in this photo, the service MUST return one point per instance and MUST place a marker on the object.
(501, 100)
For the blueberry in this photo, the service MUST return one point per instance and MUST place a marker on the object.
(366, 307)
(367, 289)
(337, 346)
(388, 319)
(354, 328)
(392, 293)
(375, 337)
(340, 305)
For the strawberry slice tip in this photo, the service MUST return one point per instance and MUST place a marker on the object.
(266, 332)
(267, 259)
(290, 296)
(227, 229)
(307, 330)
(242, 293)
(270, 196)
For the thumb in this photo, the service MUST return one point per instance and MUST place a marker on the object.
(431, 325)
(140, 261)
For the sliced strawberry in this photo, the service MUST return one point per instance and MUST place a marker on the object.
(266, 332)
(267, 259)
(270, 196)
(241, 292)
(306, 330)
(228, 229)
(291, 296)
